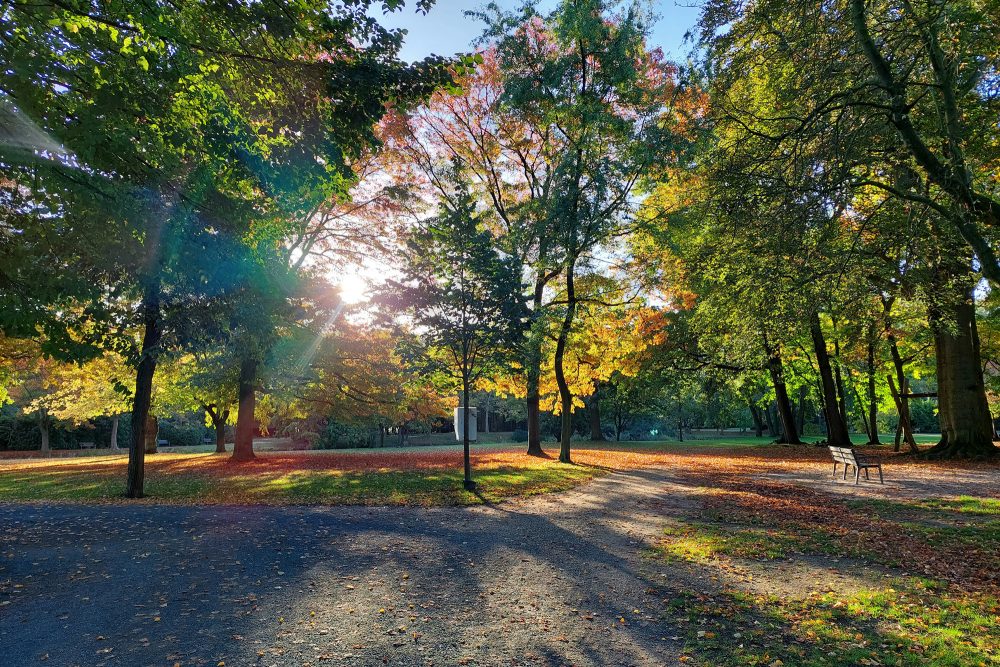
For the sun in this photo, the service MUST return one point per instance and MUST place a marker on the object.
(353, 288)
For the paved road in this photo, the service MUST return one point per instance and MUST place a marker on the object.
(555, 580)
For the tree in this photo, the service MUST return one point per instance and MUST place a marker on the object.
(97, 388)
(587, 80)
(187, 134)
(463, 296)
(849, 113)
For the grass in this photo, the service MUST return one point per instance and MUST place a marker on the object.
(880, 582)
(905, 623)
(424, 478)
(428, 475)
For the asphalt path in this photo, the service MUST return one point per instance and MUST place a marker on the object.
(563, 579)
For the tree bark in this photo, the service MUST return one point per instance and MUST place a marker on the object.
(533, 366)
(219, 421)
(114, 432)
(466, 457)
(769, 421)
(152, 434)
(872, 394)
(151, 338)
(963, 411)
(903, 407)
(801, 424)
(837, 434)
(43, 431)
(777, 372)
(245, 421)
(758, 424)
(565, 395)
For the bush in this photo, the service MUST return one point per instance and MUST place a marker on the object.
(519, 435)
(183, 431)
(342, 436)
(812, 428)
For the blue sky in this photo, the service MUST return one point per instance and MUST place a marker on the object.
(446, 30)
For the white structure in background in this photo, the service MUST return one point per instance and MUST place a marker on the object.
(473, 418)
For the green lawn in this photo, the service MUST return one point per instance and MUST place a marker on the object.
(373, 477)
(915, 580)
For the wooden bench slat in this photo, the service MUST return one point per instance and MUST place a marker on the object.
(848, 457)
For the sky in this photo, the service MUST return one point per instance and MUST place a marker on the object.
(446, 30)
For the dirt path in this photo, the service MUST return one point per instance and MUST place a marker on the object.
(554, 580)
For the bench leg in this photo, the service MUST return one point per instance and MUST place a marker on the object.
(834, 468)
(846, 466)
(857, 475)
(880, 475)
(867, 478)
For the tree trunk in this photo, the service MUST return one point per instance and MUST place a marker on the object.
(596, 433)
(219, 421)
(43, 430)
(466, 458)
(842, 397)
(837, 434)
(801, 424)
(565, 395)
(903, 407)
(872, 395)
(777, 372)
(758, 423)
(114, 432)
(963, 411)
(769, 421)
(533, 373)
(245, 421)
(152, 434)
(151, 338)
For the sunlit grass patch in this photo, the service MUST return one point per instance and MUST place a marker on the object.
(698, 542)
(908, 623)
(964, 504)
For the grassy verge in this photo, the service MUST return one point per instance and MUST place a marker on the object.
(427, 479)
(948, 616)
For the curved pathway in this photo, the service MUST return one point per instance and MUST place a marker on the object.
(552, 580)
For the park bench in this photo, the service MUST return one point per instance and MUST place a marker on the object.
(87, 445)
(848, 457)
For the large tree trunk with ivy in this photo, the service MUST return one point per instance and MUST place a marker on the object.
(565, 395)
(777, 371)
(152, 336)
(246, 423)
(533, 372)
(963, 411)
(836, 427)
